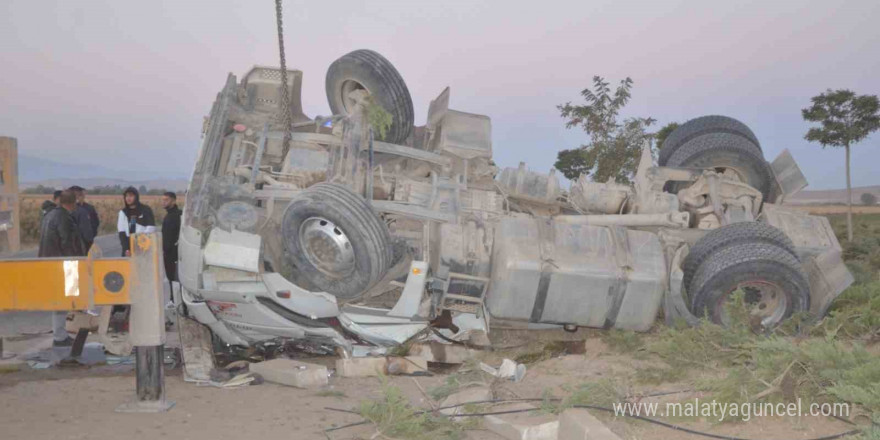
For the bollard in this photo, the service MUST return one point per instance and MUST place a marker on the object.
(147, 324)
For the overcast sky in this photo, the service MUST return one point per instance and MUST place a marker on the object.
(125, 84)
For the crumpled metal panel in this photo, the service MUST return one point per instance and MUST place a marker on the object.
(594, 276)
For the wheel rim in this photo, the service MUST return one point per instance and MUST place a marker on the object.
(767, 303)
(327, 247)
(347, 87)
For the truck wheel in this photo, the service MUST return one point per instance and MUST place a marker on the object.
(335, 240)
(771, 277)
(733, 234)
(367, 70)
(728, 152)
(700, 126)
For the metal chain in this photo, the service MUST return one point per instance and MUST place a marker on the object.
(285, 114)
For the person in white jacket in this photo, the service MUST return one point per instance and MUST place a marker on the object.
(134, 218)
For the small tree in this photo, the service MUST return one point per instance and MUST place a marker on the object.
(664, 132)
(869, 199)
(846, 119)
(615, 147)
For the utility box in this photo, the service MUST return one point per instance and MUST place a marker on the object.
(9, 200)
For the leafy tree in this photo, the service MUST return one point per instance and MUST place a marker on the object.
(39, 189)
(846, 119)
(869, 199)
(664, 132)
(615, 146)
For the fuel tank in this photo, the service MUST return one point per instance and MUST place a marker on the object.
(556, 272)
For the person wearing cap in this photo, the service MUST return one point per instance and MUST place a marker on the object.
(82, 218)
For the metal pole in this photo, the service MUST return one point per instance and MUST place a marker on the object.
(147, 324)
(150, 373)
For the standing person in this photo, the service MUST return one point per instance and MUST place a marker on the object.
(59, 238)
(83, 218)
(49, 205)
(134, 217)
(170, 235)
(93, 213)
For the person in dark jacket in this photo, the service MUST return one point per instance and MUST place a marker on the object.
(134, 218)
(93, 213)
(59, 238)
(49, 205)
(170, 235)
(82, 217)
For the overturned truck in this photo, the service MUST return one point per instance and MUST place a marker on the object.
(314, 228)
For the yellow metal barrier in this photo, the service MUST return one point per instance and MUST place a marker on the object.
(58, 284)
(63, 283)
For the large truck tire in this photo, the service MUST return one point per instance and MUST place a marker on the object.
(700, 126)
(336, 241)
(729, 235)
(771, 277)
(366, 69)
(725, 151)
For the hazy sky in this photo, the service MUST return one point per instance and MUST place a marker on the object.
(126, 84)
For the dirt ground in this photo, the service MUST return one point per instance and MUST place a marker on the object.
(79, 403)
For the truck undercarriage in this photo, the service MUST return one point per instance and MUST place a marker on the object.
(340, 237)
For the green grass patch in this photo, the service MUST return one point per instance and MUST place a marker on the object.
(623, 341)
(394, 417)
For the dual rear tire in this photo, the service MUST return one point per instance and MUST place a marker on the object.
(720, 143)
(755, 258)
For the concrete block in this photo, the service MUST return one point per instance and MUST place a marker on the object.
(443, 353)
(292, 373)
(360, 367)
(467, 395)
(579, 424)
(522, 426)
(376, 366)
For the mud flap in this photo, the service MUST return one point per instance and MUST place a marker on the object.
(674, 305)
(789, 178)
(819, 251)
(196, 350)
(828, 277)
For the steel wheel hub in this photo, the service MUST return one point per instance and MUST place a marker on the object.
(326, 247)
(766, 303)
(349, 86)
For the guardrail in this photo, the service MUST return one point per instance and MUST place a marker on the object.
(59, 284)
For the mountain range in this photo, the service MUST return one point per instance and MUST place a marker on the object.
(35, 171)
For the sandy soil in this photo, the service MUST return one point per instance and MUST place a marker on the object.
(78, 403)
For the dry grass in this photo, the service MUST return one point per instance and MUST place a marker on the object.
(107, 206)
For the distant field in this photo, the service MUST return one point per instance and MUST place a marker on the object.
(107, 206)
(835, 209)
